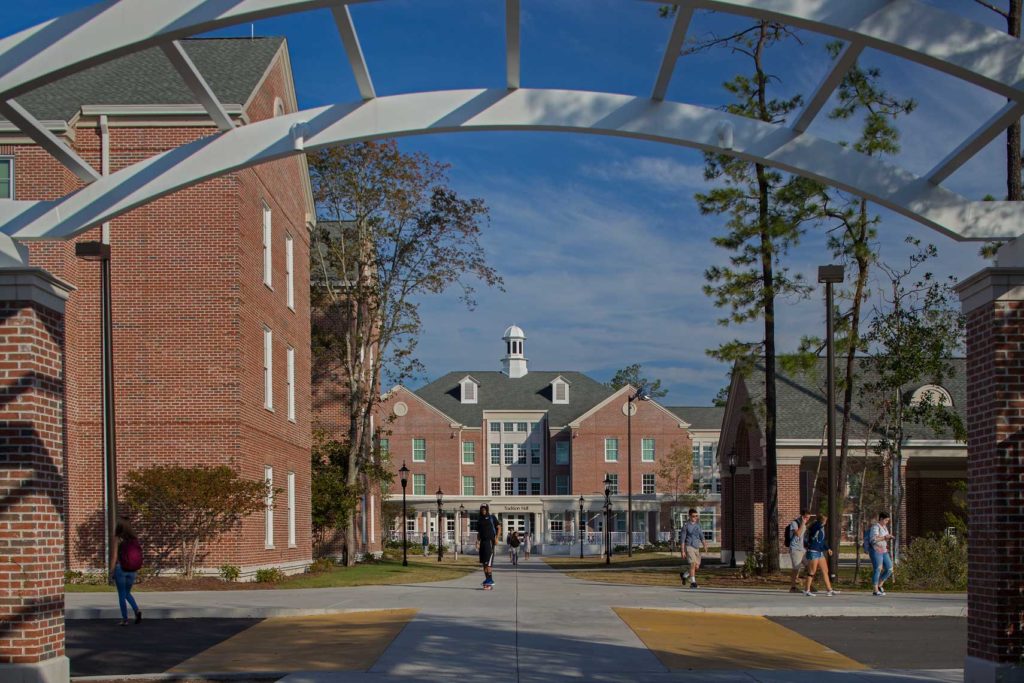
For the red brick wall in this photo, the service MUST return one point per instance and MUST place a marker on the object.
(31, 484)
(443, 460)
(995, 470)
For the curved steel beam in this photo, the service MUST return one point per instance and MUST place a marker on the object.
(908, 28)
(525, 109)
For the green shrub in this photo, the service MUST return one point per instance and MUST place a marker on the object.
(321, 565)
(86, 579)
(934, 563)
(230, 572)
(145, 574)
(270, 575)
(756, 563)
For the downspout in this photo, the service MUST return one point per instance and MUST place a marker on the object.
(105, 167)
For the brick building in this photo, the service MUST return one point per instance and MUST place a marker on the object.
(933, 464)
(531, 444)
(210, 302)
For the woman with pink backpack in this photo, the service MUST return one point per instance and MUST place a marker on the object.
(127, 562)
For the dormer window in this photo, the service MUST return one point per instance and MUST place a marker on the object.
(559, 390)
(469, 389)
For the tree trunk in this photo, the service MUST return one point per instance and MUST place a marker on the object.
(1013, 152)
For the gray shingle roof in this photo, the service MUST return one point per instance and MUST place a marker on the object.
(498, 392)
(231, 66)
(700, 417)
(802, 402)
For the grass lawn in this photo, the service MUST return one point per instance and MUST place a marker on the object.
(383, 572)
(639, 560)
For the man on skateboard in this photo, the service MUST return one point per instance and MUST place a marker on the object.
(488, 531)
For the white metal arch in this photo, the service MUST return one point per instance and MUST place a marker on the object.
(907, 28)
(523, 109)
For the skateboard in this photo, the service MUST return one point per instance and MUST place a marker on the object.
(488, 588)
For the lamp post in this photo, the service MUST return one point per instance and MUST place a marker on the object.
(440, 542)
(581, 526)
(640, 395)
(732, 504)
(404, 474)
(830, 275)
(607, 519)
(100, 251)
(462, 518)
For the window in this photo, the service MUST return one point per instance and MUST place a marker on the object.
(474, 522)
(533, 427)
(521, 454)
(268, 537)
(495, 453)
(410, 526)
(289, 271)
(419, 450)
(535, 454)
(385, 446)
(510, 486)
(559, 391)
(561, 452)
(522, 486)
(268, 368)
(648, 483)
(267, 230)
(707, 524)
(520, 426)
(510, 426)
(468, 452)
(613, 484)
(510, 454)
(469, 390)
(647, 450)
(290, 383)
(291, 509)
(696, 456)
(469, 486)
(561, 485)
(495, 426)
(535, 487)
(556, 521)
(611, 450)
(495, 486)
(709, 454)
(7, 178)
(419, 484)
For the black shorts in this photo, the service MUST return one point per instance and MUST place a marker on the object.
(486, 553)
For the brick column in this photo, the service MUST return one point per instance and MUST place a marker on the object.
(32, 477)
(789, 505)
(993, 301)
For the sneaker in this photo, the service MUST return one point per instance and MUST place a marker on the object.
(489, 581)
(831, 593)
(809, 594)
(693, 584)
(682, 577)
(881, 591)
(138, 617)
(875, 593)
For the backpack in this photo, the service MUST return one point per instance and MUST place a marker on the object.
(789, 532)
(513, 540)
(130, 555)
(867, 539)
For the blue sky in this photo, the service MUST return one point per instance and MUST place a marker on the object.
(599, 239)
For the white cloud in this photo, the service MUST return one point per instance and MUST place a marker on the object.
(661, 172)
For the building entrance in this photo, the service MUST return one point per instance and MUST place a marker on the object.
(513, 523)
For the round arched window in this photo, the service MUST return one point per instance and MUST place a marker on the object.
(933, 394)
(278, 107)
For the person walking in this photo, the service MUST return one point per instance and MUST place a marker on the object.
(527, 542)
(795, 540)
(127, 561)
(513, 547)
(488, 533)
(877, 545)
(426, 543)
(691, 542)
(818, 553)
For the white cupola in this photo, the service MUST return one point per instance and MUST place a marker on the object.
(514, 362)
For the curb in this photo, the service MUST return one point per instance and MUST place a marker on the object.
(213, 612)
(802, 611)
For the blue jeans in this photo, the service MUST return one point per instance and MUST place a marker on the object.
(881, 564)
(124, 582)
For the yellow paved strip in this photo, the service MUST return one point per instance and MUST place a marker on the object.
(697, 640)
(351, 641)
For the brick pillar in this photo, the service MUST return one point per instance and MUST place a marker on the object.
(32, 477)
(993, 301)
(789, 505)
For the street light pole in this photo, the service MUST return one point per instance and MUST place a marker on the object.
(404, 473)
(640, 395)
(732, 504)
(440, 542)
(462, 521)
(581, 526)
(607, 520)
(100, 251)
(830, 275)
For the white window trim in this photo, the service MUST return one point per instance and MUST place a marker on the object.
(606, 440)
(567, 455)
(290, 381)
(268, 533)
(555, 385)
(468, 462)
(414, 440)
(268, 369)
(464, 489)
(289, 271)
(268, 233)
(653, 450)
(291, 509)
(4, 157)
